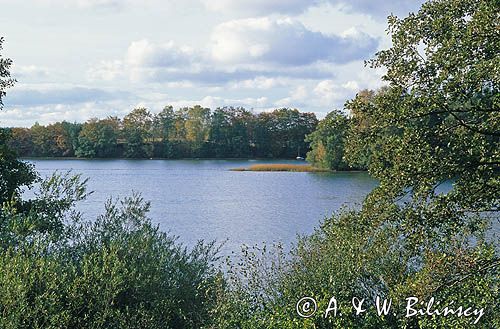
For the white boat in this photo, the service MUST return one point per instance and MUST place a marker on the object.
(298, 155)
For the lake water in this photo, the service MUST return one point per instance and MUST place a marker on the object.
(203, 199)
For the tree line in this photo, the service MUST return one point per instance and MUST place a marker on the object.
(189, 132)
(197, 132)
(341, 139)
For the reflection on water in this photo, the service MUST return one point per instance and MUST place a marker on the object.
(202, 199)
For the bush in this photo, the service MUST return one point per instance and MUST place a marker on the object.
(349, 256)
(119, 271)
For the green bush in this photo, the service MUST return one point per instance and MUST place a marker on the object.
(349, 256)
(117, 271)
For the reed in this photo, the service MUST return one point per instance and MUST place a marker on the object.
(281, 167)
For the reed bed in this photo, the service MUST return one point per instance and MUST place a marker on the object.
(281, 167)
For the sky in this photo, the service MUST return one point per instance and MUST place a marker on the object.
(79, 59)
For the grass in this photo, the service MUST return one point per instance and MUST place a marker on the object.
(281, 167)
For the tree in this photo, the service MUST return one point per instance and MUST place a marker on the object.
(99, 138)
(5, 80)
(243, 127)
(327, 142)
(137, 132)
(197, 127)
(183, 133)
(14, 174)
(22, 141)
(443, 98)
(164, 125)
(281, 133)
(358, 148)
(116, 271)
(230, 132)
(72, 130)
(44, 141)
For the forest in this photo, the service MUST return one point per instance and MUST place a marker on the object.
(197, 132)
(190, 132)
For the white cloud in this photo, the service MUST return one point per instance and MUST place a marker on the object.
(265, 48)
(155, 104)
(259, 7)
(208, 75)
(332, 94)
(284, 41)
(260, 82)
(90, 4)
(279, 59)
(29, 71)
(107, 70)
(47, 94)
(50, 103)
(379, 9)
(296, 98)
(351, 85)
(248, 8)
(148, 62)
(180, 84)
(144, 60)
(216, 101)
(85, 4)
(45, 114)
(99, 3)
(146, 54)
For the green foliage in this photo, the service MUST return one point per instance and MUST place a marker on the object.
(450, 123)
(281, 133)
(118, 271)
(188, 132)
(197, 123)
(358, 150)
(5, 80)
(98, 138)
(164, 129)
(349, 256)
(14, 174)
(137, 132)
(55, 140)
(231, 132)
(327, 142)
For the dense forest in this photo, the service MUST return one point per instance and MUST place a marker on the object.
(191, 132)
(197, 132)
(437, 121)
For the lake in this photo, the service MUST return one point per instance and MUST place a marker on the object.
(203, 199)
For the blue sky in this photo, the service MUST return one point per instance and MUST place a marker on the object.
(77, 59)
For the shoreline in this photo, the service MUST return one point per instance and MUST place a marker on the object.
(119, 158)
(168, 159)
(270, 167)
(279, 167)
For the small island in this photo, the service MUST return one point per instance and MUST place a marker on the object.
(282, 167)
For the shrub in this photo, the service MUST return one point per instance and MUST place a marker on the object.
(118, 271)
(349, 256)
